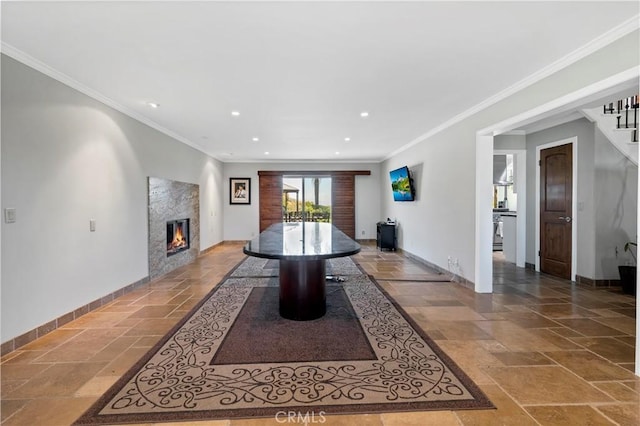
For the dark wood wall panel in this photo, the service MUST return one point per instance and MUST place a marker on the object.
(343, 208)
(270, 200)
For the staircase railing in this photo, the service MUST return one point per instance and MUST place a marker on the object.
(627, 114)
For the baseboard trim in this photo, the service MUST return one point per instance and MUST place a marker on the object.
(602, 283)
(453, 277)
(234, 242)
(28, 337)
(208, 249)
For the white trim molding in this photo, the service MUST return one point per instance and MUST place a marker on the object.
(63, 78)
(594, 45)
(484, 214)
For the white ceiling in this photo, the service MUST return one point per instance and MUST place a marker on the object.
(300, 73)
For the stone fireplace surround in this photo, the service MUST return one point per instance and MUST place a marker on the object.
(171, 200)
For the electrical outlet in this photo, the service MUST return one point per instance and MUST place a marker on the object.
(9, 215)
(363, 232)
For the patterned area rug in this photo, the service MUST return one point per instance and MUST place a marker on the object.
(233, 356)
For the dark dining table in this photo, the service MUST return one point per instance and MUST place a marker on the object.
(302, 249)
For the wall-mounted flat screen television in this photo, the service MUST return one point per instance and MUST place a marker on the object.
(402, 184)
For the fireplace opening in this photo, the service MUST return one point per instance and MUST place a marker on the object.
(177, 236)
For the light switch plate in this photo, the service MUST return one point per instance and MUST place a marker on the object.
(92, 225)
(9, 215)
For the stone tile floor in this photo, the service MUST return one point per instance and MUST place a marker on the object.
(545, 351)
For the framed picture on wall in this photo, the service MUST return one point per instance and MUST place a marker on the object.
(239, 190)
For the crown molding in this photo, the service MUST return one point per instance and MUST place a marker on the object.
(617, 32)
(63, 78)
(305, 161)
(559, 105)
(599, 42)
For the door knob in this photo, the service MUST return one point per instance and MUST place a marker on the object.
(565, 218)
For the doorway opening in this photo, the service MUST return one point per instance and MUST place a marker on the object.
(306, 199)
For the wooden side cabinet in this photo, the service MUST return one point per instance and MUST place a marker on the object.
(386, 236)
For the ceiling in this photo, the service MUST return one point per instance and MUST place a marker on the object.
(299, 73)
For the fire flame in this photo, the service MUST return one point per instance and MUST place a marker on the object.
(179, 240)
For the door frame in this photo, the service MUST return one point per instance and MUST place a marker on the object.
(574, 201)
(520, 159)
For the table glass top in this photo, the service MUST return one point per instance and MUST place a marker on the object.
(304, 240)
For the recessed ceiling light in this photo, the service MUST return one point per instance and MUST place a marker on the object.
(266, 153)
(153, 104)
(347, 139)
(364, 114)
(337, 152)
(255, 139)
(235, 113)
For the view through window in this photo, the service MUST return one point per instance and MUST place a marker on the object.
(306, 199)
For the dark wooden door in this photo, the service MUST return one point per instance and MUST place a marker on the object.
(556, 216)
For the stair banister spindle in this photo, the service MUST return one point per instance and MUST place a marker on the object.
(629, 103)
(626, 114)
(634, 105)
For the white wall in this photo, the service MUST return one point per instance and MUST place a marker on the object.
(616, 207)
(242, 221)
(66, 159)
(442, 222)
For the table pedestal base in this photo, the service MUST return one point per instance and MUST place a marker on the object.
(302, 289)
